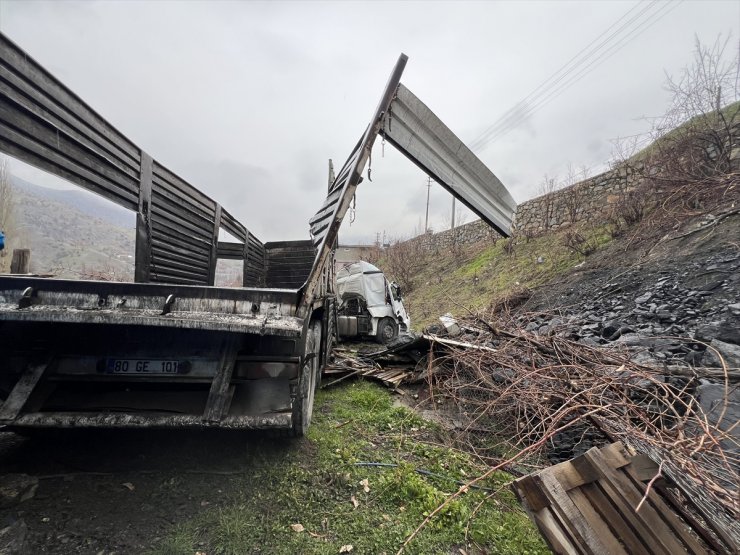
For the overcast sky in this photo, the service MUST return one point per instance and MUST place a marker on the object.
(248, 100)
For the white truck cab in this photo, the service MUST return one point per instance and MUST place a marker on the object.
(369, 305)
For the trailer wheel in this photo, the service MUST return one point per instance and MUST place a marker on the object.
(303, 406)
(387, 331)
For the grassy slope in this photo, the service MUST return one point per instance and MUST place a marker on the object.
(472, 279)
(315, 480)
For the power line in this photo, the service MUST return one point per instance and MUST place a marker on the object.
(512, 111)
(555, 85)
(652, 19)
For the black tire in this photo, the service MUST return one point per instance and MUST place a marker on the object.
(387, 331)
(307, 382)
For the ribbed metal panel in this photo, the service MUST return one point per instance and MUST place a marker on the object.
(288, 263)
(417, 132)
(46, 125)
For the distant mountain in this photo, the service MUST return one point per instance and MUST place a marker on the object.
(83, 201)
(72, 233)
(77, 234)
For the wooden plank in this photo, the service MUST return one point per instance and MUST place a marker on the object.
(187, 224)
(143, 257)
(165, 243)
(42, 106)
(182, 188)
(41, 137)
(233, 226)
(31, 71)
(626, 498)
(218, 397)
(22, 391)
(688, 516)
(642, 468)
(166, 261)
(661, 507)
(601, 529)
(179, 204)
(20, 261)
(30, 152)
(569, 476)
(586, 538)
(609, 514)
(170, 230)
(161, 251)
(214, 246)
(553, 533)
(194, 272)
(230, 251)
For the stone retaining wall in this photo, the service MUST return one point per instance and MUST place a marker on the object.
(593, 199)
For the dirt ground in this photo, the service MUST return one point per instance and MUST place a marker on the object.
(118, 491)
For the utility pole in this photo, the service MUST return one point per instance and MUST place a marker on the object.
(426, 220)
(453, 213)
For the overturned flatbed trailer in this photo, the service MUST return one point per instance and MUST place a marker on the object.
(172, 350)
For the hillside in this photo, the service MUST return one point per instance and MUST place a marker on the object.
(72, 233)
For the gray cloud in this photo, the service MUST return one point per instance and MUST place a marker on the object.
(248, 100)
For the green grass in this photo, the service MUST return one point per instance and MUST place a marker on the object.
(473, 278)
(315, 481)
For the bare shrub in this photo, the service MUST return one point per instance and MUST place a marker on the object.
(102, 273)
(574, 194)
(548, 186)
(510, 245)
(401, 260)
(576, 242)
(692, 143)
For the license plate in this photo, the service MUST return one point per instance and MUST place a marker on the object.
(139, 366)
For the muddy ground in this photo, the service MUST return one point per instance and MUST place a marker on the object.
(120, 491)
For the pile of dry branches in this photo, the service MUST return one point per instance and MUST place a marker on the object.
(533, 388)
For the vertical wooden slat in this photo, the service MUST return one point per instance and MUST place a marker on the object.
(221, 393)
(142, 271)
(245, 279)
(214, 245)
(21, 261)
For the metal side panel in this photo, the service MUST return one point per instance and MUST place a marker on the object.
(417, 132)
(326, 222)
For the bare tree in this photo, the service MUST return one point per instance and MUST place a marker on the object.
(402, 259)
(573, 195)
(701, 122)
(682, 164)
(547, 189)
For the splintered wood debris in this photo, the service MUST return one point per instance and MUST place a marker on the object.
(348, 363)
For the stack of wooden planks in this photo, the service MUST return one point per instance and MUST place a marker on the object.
(590, 504)
(347, 363)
